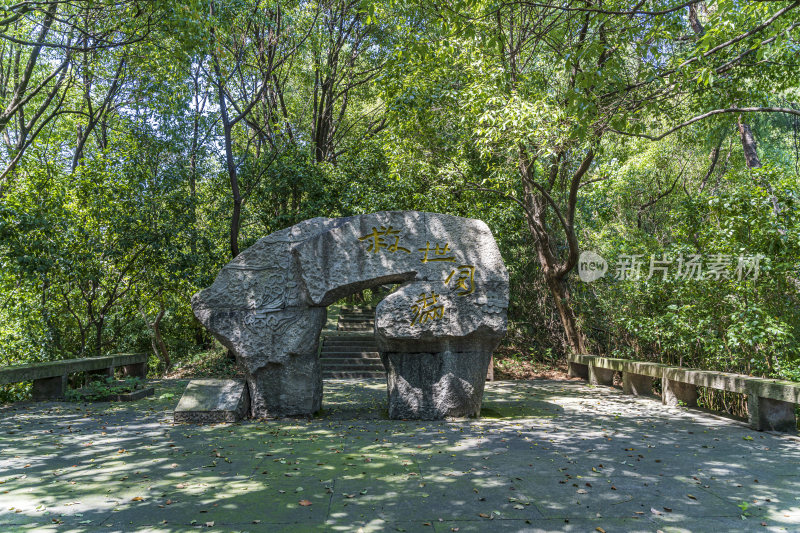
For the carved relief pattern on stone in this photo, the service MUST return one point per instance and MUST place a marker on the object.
(261, 320)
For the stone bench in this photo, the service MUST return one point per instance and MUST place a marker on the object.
(50, 378)
(770, 402)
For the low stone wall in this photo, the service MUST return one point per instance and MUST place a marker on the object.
(770, 402)
(50, 378)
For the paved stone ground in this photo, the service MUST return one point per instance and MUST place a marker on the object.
(546, 456)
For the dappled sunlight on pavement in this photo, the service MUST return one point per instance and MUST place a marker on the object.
(545, 456)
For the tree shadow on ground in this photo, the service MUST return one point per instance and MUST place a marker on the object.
(550, 456)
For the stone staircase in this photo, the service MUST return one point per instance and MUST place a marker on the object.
(351, 351)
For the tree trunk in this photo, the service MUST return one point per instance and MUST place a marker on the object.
(156, 340)
(536, 215)
(748, 145)
(98, 325)
(227, 128)
(193, 169)
(752, 160)
(694, 21)
(572, 331)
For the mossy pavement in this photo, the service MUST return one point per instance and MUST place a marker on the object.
(546, 456)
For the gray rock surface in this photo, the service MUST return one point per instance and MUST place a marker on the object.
(212, 401)
(432, 386)
(267, 307)
(258, 309)
(430, 316)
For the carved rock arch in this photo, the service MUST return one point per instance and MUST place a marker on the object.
(436, 333)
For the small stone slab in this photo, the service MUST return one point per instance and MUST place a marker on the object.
(212, 401)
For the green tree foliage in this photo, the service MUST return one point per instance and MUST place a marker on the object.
(144, 142)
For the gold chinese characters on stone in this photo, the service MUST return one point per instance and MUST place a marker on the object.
(439, 253)
(427, 307)
(378, 240)
(465, 281)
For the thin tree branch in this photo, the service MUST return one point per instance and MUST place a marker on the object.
(698, 118)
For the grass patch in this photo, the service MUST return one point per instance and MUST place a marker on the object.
(511, 364)
(210, 364)
(103, 388)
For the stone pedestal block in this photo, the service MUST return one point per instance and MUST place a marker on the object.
(637, 384)
(437, 359)
(430, 386)
(577, 370)
(766, 414)
(49, 388)
(213, 401)
(290, 388)
(601, 376)
(675, 393)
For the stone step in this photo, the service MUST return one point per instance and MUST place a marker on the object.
(369, 346)
(357, 351)
(349, 354)
(350, 348)
(350, 357)
(356, 319)
(354, 338)
(353, 375)
(351, 362)
(350, 342)
(346, 309)
(362, 344)
(352, 368)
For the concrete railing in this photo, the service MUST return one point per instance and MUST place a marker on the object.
(50, 378)
(770, 402)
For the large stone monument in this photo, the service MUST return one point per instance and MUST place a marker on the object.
(436, 333)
